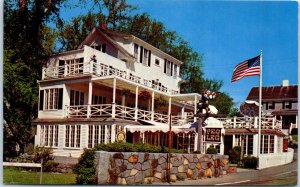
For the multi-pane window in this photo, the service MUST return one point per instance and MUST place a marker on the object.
(286, 105)
(75, 66)
(49, 135)
(136, 50)
(76, 98)
(72, 138)
(97, 100)
(267, 144)
(175, 70)
(99, 134)
(247, 140)
(51, 99)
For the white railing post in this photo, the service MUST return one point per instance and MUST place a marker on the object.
(195, 108)
(89, 99)
(255, 122)
(234, 122)
(91, 66)
(65, 70)
(152, 107)
(273, 122)
(136, 103)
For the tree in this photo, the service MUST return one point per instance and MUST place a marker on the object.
(223, 102)
(27, 42)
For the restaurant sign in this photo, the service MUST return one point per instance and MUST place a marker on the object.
(213, 135)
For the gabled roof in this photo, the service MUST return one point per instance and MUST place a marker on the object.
(275, 93)
(109, 39)
(109, 35)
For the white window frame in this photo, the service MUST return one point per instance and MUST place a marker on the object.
(99, 134)
(49, 135)
(73, 135)
(51, 99)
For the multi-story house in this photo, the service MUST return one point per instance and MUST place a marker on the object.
(280, 101)
(113, 83)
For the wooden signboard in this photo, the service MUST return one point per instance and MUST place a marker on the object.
(213, 135)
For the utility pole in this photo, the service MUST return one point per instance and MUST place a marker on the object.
(200, 139)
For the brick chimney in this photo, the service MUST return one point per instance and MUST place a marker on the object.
(285, 83)
(102, 26)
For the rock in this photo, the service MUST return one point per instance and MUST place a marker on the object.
(138, 166)
(148, 180)
(133, 159)
(145, 165)
(192, 165)
(177, 163)
(173, 177)
(130, 180)
(147, 173)
(138, 178)
(146, 156)
(203, 165)
(130, 166)
(198, 165)
(173, 170)
(180, 169)
(189, 173)
(201, 174)
(154, 163)
(185, 161)
(121, 181)
(118, 156)
(224, 173)
(208, 172)
(216, 163)
(208, 165)
(158, 175)
(225, 161)
(133, 172)
(161, 160)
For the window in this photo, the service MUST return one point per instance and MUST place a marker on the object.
(168, 67)
(145, 58)
(100, 47)
(267, 144)
(49, 135)
(175, 70)
(286, 105)
(75, 66)
(76, 98)
(51, 99)
(98, 133)
(248, 143)
(136, 50)
(98, 100)
(72, 138)
(157, 62)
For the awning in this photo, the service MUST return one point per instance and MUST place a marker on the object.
(156, 126)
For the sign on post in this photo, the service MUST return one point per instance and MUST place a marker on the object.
(213, 135)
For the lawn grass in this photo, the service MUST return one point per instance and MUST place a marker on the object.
(12, 175)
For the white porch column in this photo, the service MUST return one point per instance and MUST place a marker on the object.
(136, 103)
(222, 145)
(84, 136)
(37, 137)
(66, 101)
(169, 109)
(195, 108)
(273, 122)
(275, 144)
(113, 115)
(61, 136)
(255, 144)
(152, 107)
(196, 142)
(255, 122)
(90, 98)
(234, 122)
(113, 133)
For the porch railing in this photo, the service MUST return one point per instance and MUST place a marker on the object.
(118, 111)
(100, 70)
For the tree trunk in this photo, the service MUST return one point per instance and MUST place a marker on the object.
(200, 142)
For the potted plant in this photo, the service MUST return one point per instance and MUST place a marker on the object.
(144, 95)
(160, 102)
(125, 92)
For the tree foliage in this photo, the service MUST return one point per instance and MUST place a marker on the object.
(27, 41)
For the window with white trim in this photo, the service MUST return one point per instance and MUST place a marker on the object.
(248, 143)
(49, 135)
(136, 51)
(97, 100)
(76, 98)
(98, 134)
(72, 139)
(51, 99)
(267, 144)
(75, 66)
(175, 70)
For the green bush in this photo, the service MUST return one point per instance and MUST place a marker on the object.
(45, 154)
(249, 162)
(211, 150)
(85, 168)
(234, 155)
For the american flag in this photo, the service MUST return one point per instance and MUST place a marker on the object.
(249, 67)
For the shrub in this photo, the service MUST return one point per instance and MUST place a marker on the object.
(211, 150)
(234, 155)
(45, 154)
(249, 162)
(85, 168)
(294, 131)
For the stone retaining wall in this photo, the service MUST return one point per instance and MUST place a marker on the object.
(145, 168)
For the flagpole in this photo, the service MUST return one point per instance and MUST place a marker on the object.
(260, 106)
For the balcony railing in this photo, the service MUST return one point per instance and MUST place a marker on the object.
(251, 122)
(100, 70)
(123, 112)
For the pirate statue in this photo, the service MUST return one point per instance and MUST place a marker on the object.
(204, 106)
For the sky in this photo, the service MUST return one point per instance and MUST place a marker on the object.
(226, 33)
